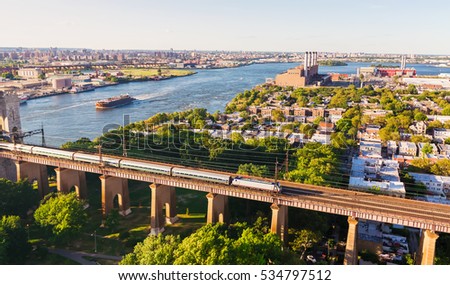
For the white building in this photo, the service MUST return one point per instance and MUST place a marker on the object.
(322, 138)
(378, 175)
(444, 82)
(407, 148)
(61, 83)
(421, 145)
(439, 118)
(29, 73)
(392, 147)
(435, 184)
(441, 134)
(370, 149)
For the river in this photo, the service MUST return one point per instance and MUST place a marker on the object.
(68, 117)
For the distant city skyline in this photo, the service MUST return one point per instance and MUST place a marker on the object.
(409, 27)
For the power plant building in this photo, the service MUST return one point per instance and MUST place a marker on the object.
(302, 75)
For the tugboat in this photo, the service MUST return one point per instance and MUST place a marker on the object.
(23, 99)
(114, 102)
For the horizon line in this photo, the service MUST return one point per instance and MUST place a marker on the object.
(218, 50)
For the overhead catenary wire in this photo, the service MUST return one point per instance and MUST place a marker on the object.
(221, 166)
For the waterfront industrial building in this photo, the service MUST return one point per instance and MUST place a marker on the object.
(302, 75)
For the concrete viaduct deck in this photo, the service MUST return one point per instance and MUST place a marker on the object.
(356, 205)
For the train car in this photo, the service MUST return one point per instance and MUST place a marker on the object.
(256, 184)
(111, 161)
(53, 152)
(7, 146)
(201, 175)
(145, 166)
(24, 148)
(84, 157)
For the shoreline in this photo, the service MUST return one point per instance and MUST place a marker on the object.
(110, 84)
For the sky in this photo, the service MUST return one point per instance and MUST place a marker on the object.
(372, 26)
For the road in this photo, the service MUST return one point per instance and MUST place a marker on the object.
(78, 256)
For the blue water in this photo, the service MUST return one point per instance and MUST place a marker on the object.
(71, 116)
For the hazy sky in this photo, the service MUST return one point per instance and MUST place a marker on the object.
(391, 26)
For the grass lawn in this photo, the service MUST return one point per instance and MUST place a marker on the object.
(191, 205)
(134, 228)
(50, 259)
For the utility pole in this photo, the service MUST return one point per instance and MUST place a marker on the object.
(42, 135)
(287, 161)
(100, 153)
(276, 170)
(124, 146)
(95, 241)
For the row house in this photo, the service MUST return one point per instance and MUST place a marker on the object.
(370, 149)
(407, 148)
(421, 145)
(392, 147)
(437, 185)
(419, 128)
(373, 113)
(370, 132)
(441, 134)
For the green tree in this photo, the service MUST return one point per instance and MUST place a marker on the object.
(427, 149)
(237, 138)
(17, 198)
(303, 240)
(82, 143)
(441, 167)
(307, 130)
(253, 170)
(14, 246)
(214, 244)
(435, 124)
(154, 250)
(339, 100)
(412, 89)
(446, 110)
(420, 165)
(419, 116)
(278, 116)
(61, 214)
(339, 141)
(254, 247)
(418, 139)
(207, 246)
(7, 75)
(112, 220)
(315, 164)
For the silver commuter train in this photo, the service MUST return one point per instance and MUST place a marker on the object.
(147, 167)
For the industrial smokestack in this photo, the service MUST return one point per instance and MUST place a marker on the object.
(305, 65)
(403, 62)
(309, 59)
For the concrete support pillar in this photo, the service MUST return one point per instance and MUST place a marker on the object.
(8, 169)
(162, 196)
(279, 223)
(112, 186)
(32, 172)
(351, 252)
(68, 178)
(426, 250)
(217, 208)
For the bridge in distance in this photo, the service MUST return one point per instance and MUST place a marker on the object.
(429, 217)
